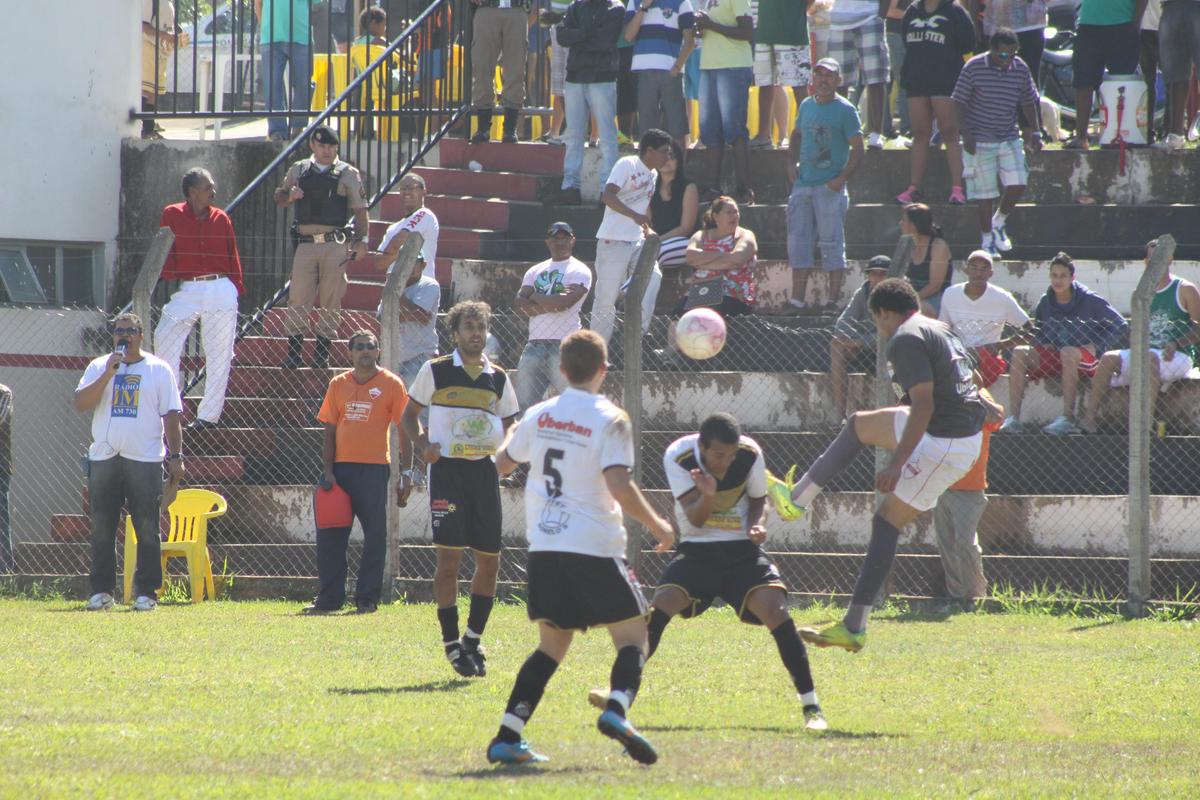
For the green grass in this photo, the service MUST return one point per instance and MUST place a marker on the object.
(250, 700)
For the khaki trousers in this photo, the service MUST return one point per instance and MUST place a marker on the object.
(500, 34)
(955, 520)
(318, 275)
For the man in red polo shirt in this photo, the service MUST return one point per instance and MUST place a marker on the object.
(204, 259)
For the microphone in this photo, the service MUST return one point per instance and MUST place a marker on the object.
(120, 350)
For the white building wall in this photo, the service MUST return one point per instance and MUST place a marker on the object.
(65, 96)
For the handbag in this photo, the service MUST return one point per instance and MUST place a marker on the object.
(706, 294)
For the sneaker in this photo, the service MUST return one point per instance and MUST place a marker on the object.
(835, 636)
(314, 610)
(957, 196)
(499, 752)
(988, 244)
(558, 140)
(1011, 425)
(509, 138)
(144, 603)
(481, 136)
(625, 141)
(201, 424)
(1000, 237)
(814, 720)
(101, 601)
(761, 144)
(799, 305)
(874, 141)
(1061, 426)
(463, 664)
(598, 698)
(910, 195)
(366, 607)
(779, 492)
(1172, 142)
(478, 658)
(614, 726)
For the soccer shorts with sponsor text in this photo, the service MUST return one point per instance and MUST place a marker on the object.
(730, 570)
(994, 164)
(935, 465)
(574, 592)
(781, 65)
(464, 504)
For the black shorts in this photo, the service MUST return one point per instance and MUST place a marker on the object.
(574, 592)
(464, 504)
(928, 87)
(728, 570)
(1100, 47)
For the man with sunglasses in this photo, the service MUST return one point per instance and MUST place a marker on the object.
(359, 408)
(134, 399)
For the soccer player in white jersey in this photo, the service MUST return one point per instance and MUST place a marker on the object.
(719, 482)
(580, 450)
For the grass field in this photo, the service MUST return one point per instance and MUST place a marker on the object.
(250, 700)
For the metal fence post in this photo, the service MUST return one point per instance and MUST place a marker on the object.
(389, 344)
(884, 394)
(1139, 425)
(643, 267)
(7, 563)
(147, 279)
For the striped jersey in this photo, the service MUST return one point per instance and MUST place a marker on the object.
(746, 478)
(467, 405)
(993, 96)
(661, 35)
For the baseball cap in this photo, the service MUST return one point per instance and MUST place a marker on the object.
(830, 64)
(983, 255)
(879, 262)
(324, 135)
(559, 227)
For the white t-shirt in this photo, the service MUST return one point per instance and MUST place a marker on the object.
(569, 441)
(746, 478)
(417, 339)
(465, 416)
(128, 419)
(980, 321)
(552, 278)
(636, 182)
(424, 222)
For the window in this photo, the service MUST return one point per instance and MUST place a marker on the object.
(49, 273)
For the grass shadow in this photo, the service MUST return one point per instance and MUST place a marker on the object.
(704, 728)
(431, 686)
(1101, 624)
(520, 771)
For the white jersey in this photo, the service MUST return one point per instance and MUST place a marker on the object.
(424, 222)
(568, 442)
(745, 479)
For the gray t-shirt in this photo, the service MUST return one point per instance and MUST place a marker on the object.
(924, 350)
(417, 339)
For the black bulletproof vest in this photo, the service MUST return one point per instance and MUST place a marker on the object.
(321, 204)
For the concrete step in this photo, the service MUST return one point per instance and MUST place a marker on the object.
(270, 351)
(460, 242)
(373, 268)
(274, 321)
(527, 157)
(70, 528)
(273, 381)
(266, 412)
(464, 211)
(501, 185)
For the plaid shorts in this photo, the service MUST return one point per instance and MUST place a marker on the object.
(862, 48)
(781, 65)
(558, 66)
(994, 164)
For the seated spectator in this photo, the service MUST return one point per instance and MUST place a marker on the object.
(937, 34)
(723, 250)
(1174, 331)
(930, 270)
(663, 39)
(1106, 38)
(858, 41)
(977, 312)
(989, 91)
(674, 209)
(1178, 50)
(726, 72)
(824, 150)
(1073, 324)
(551, 295)
(372, 27)
(854, 332)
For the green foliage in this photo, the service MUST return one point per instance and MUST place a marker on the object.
(253, 700)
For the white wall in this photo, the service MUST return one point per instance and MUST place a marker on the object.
(65, 94)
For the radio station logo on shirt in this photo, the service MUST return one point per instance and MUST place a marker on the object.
(357, 411)
(127, 391)
(547, 422)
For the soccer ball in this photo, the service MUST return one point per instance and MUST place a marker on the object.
(700, 333)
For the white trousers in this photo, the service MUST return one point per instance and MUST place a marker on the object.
(614, 264)
(214, 305)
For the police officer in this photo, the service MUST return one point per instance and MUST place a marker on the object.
(324, 190)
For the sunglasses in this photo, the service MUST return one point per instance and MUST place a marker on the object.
(364, 346)
(126, 331)
(1002, 54)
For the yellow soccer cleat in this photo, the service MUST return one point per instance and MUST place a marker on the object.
(837, 635)
(780, 494)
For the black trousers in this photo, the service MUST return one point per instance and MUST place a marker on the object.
(367, 485)
(136, 485)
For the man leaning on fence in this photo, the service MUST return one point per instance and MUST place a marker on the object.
(204, 259)
(133, 398)
(324, 190)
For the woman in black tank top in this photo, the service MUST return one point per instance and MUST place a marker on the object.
(674, 208)
(931, 270)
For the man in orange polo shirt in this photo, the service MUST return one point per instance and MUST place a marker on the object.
(359, 407)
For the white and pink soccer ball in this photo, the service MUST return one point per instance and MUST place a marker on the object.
(700, 333)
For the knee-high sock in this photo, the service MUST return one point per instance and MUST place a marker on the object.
(658, 623)
(840, 454)
(448, 619)
(795, 659)
(626, 679)
(527, 692)
(881, 553)
(477, 618)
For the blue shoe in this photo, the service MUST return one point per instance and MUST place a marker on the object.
(499, 752)
(614, 726)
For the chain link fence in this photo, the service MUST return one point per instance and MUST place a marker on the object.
(1057, 517)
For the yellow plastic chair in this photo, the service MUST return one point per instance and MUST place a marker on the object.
(330, 79)
(188, 538)
(361, 56)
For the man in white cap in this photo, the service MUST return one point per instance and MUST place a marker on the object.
(978, 311)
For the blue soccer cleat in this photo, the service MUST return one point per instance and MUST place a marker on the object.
(499, 752)
(614, 726)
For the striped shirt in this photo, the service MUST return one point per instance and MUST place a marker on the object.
(992, 96)
(661, 35)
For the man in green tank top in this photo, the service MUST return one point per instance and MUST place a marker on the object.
(1174, 332)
